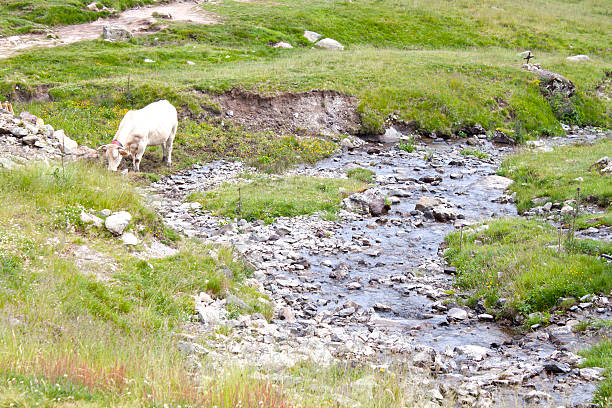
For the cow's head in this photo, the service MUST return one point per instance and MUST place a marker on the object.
(114, 153)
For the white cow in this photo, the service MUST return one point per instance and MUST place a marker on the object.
(153, 125)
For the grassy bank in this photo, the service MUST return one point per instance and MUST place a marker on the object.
(266, 198)
(556, 176)
(94, 125)
(518, 261)
(600, 355)
(96, 329)
(440, 66)
(553, 175)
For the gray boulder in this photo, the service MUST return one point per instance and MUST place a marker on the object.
(378, 207)
(28, 117)
(312, 36)
(116, 32)
(330, 44)
(117, 223)
(578, 58)
(66, 144)
(428, 203)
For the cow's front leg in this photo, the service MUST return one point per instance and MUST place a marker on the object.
(138, 157)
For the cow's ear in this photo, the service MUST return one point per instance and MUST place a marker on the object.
(124, 152)
(103, 148)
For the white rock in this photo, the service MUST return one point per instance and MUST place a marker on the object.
(567, 209)
(591, 373)
(457, 313)
(329, 44)
(148, 60)
(312, 36)
(187, 347)
(116, 32)
(129, 239)
(66, 143)
(494, 182)
(347, 143)
(209, 315)
(91, 219)
(476, 353)
(118, 222)
(282, 44)
(391, 135)
(578, 58)
(190, 63)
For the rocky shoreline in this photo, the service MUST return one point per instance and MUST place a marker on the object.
(375, 289)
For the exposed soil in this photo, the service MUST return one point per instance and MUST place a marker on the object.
(138, 20)
(308, 113)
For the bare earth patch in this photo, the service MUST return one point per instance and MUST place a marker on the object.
(92, 262)
(310, 113)
(137, 20)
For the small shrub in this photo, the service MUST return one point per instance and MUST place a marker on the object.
(407, 146)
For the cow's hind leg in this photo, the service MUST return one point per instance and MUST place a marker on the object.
(165, 153)
(168, 150)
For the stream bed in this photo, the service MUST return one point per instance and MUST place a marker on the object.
(376, 289)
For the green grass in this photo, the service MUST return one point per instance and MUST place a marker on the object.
(58, 196)
(441, 66)
(267, 198)
(553, 175)
(99, 333)
(361, 174)
(517, 259)
(476, 153)
(600, 355)
(407, 146)
(590, 324)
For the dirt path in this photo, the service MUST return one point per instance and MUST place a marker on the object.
(138, 20)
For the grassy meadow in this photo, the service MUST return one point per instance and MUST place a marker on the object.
(75, 333)
(437, 64)
(555, 175)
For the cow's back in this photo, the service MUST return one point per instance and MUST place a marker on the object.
(158, 120)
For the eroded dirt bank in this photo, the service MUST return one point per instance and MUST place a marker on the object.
(314, 112)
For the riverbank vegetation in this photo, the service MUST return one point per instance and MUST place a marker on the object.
(267, 198)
